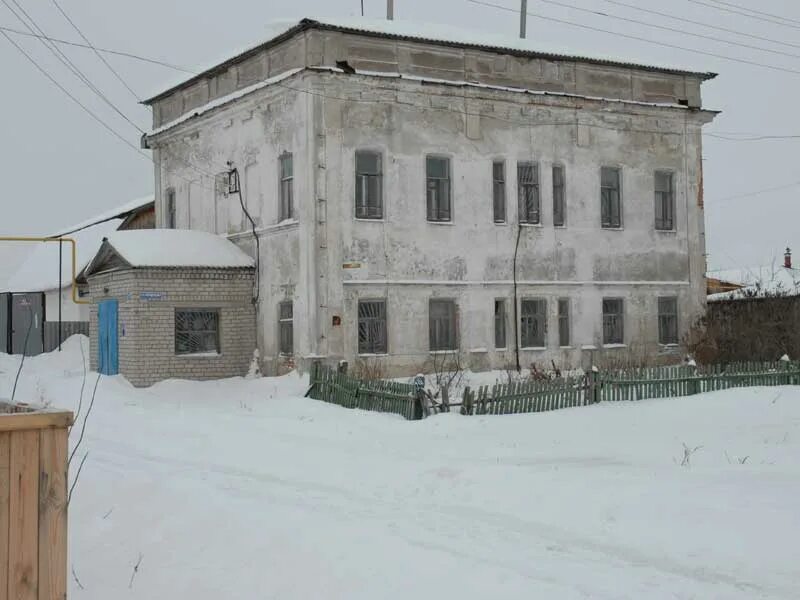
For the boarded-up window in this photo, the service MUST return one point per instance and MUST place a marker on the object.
(499, 191)
(170, 211)
(668, 320)
(286, 328)
(286, 209)
(665, 201)
(442, 327)
(533, 323)
(613, 321)
(369, 185)
(610, 198)
(528, 191)
(499, 323)
(559, 196)
(372, 327)
(196, 331)
(438, 188)
(563, 322)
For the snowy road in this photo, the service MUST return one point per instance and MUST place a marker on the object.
(243, 489)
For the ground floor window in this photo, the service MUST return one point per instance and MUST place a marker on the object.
(533, 323)
(286, 328)
(499, 323)
(668, 320)
(196, 331)
(372, 327)
(563, 322)
(442, 327)
(613, 321)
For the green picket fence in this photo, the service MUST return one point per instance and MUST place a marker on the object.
(525, 397)
(337, 388)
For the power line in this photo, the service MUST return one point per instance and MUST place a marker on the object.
(100, 56)
(759, 192)
(64, 59)
(637, 38)
(744, 14)
(758, 12)
(751, 137)
(152, 61)
(702, 24)
(670, 29)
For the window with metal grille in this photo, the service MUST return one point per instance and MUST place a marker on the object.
(442, 327)
(286, 328)
(438, 188)
(613, 321)
(533, 323)
(528, 191)
(610, 198)
(559, 196)
(665, 201)
(372, 327)
(499, 191)
(668, 320)
(170, 210)
(499, 323)
(286, 186)
(369, 185)
(196, 331)
(563, 322)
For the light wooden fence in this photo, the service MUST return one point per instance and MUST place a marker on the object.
(33, 503)
(331, 386)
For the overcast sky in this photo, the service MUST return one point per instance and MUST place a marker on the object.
(60, 167)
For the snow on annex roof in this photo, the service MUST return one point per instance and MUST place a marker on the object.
(758, 282)
(39, 271)
(279, 30)
(174, 248)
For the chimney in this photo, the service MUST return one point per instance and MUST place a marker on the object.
(787, 259)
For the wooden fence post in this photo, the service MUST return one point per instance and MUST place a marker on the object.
(466, 403)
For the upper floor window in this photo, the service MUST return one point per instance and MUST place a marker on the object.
(369, 185)
(170, 212)
(286, 210)
(499, 191)
(610, 198)
(613, 321)
(438, 193)
(442, 326)
(665, 200)
(533, 323)
(528, 190)
(559, 196)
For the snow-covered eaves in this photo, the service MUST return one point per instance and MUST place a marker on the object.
(278, 79)
(758, 282)
(171, 248)
(444, 35)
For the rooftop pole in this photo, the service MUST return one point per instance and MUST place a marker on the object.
(523, 15)
(390, 10)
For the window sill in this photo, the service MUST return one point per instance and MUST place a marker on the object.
(499, 222)
(443, 351)
(537, 348)
(371, 355)
(612, 228)
(559, 226)
(479, 351)
(200, 355)
(613, 346)
(531, 225)
(366, 220)
(668, 346)
(666, 231)
(566, 347)
(440, 222)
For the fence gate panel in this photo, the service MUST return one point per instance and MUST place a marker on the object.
(5, 323)
(27, 313)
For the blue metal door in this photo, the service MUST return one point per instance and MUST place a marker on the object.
(107, 341)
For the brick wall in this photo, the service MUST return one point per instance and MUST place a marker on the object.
(147, 326)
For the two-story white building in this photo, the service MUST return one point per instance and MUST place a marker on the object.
(419, 191)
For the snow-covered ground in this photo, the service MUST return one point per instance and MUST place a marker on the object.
(243, 489)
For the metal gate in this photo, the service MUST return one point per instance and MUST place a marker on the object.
(27, 324)
(5, 323)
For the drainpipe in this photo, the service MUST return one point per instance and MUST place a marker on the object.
(523, 17)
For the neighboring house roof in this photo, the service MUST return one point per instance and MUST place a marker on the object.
(446, 35)
(39, 271)
(758, 282)
(168, 248)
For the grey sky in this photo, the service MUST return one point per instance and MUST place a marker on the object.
(60, 167)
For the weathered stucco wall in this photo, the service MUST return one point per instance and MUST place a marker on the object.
(146, 328)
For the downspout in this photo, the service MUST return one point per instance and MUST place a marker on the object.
(516, 302)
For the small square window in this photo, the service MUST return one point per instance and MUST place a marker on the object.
(196, 331)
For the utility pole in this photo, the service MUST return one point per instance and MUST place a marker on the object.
(523, 16)
(390, 10)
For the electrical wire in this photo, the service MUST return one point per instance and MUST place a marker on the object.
(100, 56)
(667, 28)
(637, 38)
(65, 60)
(256, 281)
(744, 14)
(758, 12)
(130, 55)
(752, 138)
(701, 23)
(759, 192)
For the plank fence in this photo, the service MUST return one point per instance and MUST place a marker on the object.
(553, 394)
(343, 390)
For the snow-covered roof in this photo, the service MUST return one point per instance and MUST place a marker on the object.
(39, 271)
(760, 281)
(171, 248)
(279, 30)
